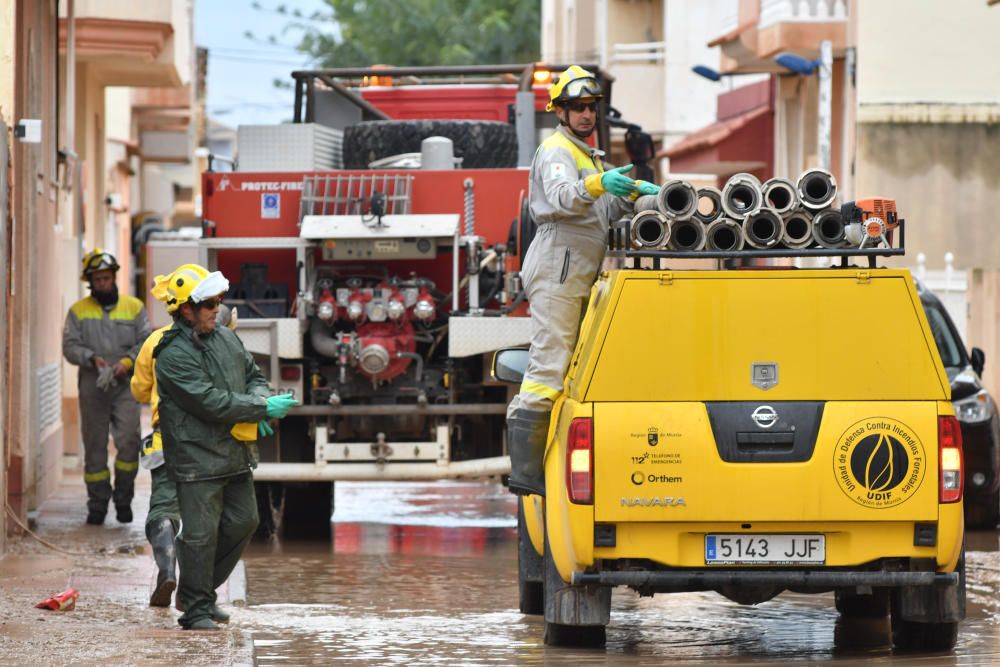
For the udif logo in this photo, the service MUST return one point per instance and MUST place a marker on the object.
(879, 462)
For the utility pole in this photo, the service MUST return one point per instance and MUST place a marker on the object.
(825, 110)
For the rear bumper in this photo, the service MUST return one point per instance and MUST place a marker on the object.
(694, 580)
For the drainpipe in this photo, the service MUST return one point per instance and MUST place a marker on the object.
(69, 139)
(825, 110)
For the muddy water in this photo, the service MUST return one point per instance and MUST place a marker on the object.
(427, 574)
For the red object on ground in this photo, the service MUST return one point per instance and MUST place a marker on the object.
(65, 601)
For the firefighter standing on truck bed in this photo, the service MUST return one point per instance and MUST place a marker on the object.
(573, 200)
(102, 335)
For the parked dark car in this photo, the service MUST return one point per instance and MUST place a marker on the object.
(976, 411)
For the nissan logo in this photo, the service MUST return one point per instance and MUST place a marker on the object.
(764, 416)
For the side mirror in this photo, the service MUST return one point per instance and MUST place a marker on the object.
(978, 360)
(509, 365)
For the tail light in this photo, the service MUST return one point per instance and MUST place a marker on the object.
(950, 472)
(291, 373)
(580, 461)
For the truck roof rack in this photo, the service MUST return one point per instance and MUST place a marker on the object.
(619, 247)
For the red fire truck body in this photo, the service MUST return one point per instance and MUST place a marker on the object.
(378, 295)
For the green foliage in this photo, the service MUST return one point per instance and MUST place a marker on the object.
(419, 32)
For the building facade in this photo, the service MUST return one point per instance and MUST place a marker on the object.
(74, 66)
(928, 134)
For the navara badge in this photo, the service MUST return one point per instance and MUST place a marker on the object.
(764, 374)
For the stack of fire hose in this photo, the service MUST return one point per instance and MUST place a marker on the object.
(745, 214)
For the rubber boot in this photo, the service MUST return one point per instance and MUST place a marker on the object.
(527, 432)
(161, 538)
(203, 624)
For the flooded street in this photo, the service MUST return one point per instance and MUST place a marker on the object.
(427, 574)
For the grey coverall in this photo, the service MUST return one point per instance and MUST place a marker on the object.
(563, 259)
(114, 333)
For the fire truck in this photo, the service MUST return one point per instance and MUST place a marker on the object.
(373, 248)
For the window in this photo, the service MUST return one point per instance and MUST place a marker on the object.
(949, 347)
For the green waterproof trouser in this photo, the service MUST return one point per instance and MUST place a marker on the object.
(218, 518)
(162, 499)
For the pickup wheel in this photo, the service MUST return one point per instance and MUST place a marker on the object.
(851, 605)
(591, 601)
(911, 636)
(530, 570)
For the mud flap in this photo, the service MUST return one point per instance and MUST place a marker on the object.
(932, 604)
(566, 604)
(530, 568)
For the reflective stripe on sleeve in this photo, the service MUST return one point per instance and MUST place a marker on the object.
(539, 389)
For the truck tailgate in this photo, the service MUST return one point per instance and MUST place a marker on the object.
(833, 461)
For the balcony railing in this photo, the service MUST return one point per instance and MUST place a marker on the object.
(781, 11)
(639, 52)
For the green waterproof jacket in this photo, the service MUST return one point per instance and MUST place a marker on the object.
(204, 391)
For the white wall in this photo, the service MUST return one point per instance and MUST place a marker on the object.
(157, 190)
(691, 99)
(118, 113)
(928, 51)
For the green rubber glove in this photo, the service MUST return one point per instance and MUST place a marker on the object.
(264, 428)
(278, 406)
(647, 188)
(617, 183)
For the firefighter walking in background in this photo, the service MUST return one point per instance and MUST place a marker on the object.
(213, 403)
(573, 199)
(102, 335)
(163, 519)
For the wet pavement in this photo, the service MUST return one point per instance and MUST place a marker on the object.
(113, 571)
(427, 574)
(421, 574)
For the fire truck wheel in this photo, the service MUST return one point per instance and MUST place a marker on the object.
(481, 144)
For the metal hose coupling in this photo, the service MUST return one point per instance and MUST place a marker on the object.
(763, 229)
(678, 200)
(649, 229)
(742, 196)
(709, 205)
(798, 229)
(687, 235)
(724, 234)
(779, 194)
(817, 188)
(828, 229)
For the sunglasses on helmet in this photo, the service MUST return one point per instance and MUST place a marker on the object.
(583, 87)
(99, 263)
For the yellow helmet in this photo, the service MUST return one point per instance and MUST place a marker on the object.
(97, 260)
(188, 282)
(573, 84)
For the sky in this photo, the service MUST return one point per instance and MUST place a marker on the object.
(240, 71)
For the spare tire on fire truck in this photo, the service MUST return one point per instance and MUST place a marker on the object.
(482, 144)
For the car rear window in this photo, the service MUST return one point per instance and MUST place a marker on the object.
(948, 344)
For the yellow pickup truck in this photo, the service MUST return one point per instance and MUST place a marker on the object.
(750, 432)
